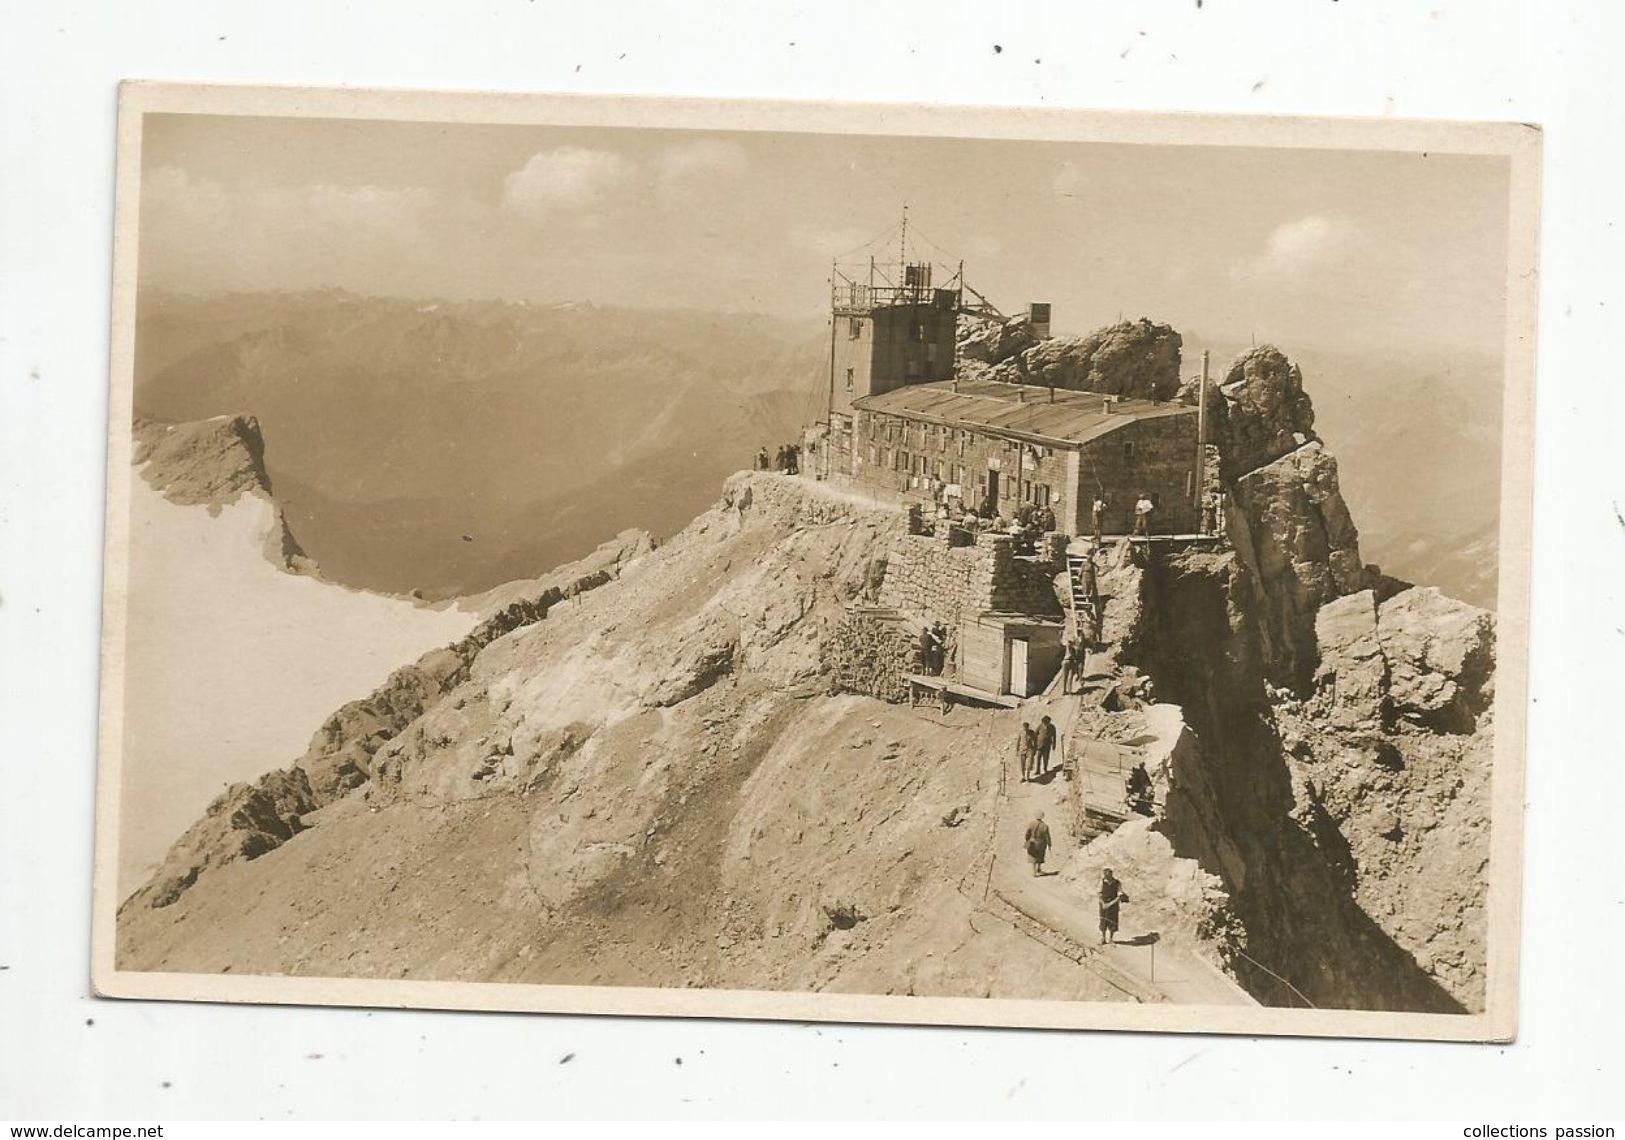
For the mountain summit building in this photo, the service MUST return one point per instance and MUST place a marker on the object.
(899, 418)
(1003, 445)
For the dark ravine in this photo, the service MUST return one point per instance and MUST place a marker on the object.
(1234, 808)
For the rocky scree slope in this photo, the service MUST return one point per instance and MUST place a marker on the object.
(651, 784)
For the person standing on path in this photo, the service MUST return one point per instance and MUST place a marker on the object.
(1142, 516)
(1037, 843)
(1026, 750)
(1046, 743)
(1111, 895)
(1097, 515)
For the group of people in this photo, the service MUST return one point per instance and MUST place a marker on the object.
(1037, 841)
(1026, 525)
(1034, 745)
(1144, 508)
(786, 460)
(933, 648)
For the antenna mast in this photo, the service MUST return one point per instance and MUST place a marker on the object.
(902, 243)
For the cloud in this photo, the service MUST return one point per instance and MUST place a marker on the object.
(170, 196)
(1302, 248)
(566, 179)
(199, 232)
(702, 158)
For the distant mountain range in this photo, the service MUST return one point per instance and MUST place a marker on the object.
(446, 447)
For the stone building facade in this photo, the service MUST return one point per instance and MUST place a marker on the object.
(1004, 445)
(952, 576)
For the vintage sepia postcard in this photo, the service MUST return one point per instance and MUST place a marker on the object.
(869, 563)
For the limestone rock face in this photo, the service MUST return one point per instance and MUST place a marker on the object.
(213, 463)
(1264, 412)
(244, 822)
(1353, 674)
(205, 462)
(1138, 359)
(1441, 658)
(1292, 529)
(992, 342)
(1418, 656)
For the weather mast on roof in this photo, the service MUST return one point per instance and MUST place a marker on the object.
(892, 324)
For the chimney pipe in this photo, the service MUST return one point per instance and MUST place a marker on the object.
(1021, 395)
(1052, 393)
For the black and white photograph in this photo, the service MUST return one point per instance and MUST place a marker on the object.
(774, 561)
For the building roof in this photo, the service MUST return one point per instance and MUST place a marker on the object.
(1054, 416)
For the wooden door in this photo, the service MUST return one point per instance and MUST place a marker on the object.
(1018, 667)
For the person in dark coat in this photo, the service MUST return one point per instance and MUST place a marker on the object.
(1046, 743)
(761, 459)
(1111, 895)
(779, 460)
(1037, 843)
(1140, 797)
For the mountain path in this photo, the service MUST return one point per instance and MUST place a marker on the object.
(1150, 971)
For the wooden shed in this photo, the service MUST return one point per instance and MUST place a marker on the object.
(1009, 653)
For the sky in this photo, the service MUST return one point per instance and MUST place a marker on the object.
(1333, 249)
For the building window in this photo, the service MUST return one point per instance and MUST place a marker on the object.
(849, 372)
(871, 453)
(854, 328)
(1128, 451)
(931, 353)
(916, 331)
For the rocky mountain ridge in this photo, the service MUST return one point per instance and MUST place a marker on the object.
(654, 784)
(213, 463)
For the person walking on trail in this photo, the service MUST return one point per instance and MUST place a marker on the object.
(1026, 750)
(1038, 843)
(1142, 516)
(1046, 743)
(1069, 667)
(1097, 516)
(1111, 895)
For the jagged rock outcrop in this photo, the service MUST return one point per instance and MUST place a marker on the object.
(1138, 359)
(244, 822)
(1417, 656)
(1260, 411)
(1352, 850)
(213, 463)
(986, 341)
(1292, 529)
